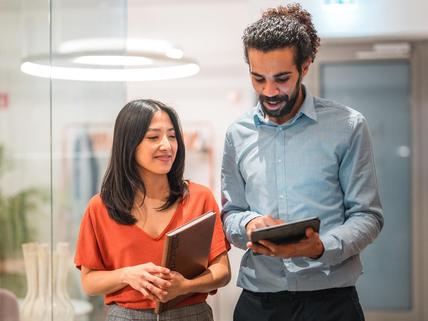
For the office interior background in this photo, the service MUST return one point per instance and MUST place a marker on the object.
(59, 99)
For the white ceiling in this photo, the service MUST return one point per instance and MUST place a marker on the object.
(368, 18)
(207, 30)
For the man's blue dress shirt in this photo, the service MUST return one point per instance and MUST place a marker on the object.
(320, 163)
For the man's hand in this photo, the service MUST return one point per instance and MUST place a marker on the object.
(311, 247)
(262, 221)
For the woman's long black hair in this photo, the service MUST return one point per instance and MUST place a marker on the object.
(122, 180)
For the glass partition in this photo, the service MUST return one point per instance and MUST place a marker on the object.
(66, 69)
(82, 124)
(25, 171)
(55, 138)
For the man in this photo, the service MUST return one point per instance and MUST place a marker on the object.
(295, 156)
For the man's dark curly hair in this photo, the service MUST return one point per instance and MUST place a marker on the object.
(287, 26)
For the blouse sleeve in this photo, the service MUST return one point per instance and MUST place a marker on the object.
(88, 251)
(219, 242)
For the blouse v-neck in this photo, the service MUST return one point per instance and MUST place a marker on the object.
(167, 227)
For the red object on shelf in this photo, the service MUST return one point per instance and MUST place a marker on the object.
(4, 100)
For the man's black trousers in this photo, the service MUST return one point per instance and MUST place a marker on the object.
(338, 304)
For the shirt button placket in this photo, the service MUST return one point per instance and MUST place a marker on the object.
(280, 170)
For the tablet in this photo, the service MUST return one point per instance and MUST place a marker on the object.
(289, 232)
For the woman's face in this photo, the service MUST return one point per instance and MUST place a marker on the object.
(156, 153)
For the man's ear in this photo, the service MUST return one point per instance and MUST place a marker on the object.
(305, 66)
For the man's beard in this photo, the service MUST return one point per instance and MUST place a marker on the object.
(288, 106)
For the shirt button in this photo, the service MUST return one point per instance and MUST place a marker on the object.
(281, 197)
(279, 160)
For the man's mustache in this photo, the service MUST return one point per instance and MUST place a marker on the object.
(274, 99)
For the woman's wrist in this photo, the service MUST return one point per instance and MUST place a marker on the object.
(123, 276)
(187, 286)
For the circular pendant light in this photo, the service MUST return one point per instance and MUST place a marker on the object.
(112, 59)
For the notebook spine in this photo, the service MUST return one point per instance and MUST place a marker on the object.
(172, 259)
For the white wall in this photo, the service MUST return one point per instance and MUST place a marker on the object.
(367, 18)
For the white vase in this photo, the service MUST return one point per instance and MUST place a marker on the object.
(42, 309)
(31, 272)
(47, 297)
(64, 305)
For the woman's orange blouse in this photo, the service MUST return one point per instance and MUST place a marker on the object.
(105, 245)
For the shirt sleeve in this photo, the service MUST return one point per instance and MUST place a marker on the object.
(87, 249)
(235, 212)
(219, 242)
(363, 210)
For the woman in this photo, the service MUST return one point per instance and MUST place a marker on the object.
(143, 196)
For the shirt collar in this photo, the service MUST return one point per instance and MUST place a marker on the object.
(307, 108)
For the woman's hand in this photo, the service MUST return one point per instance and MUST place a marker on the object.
(150, 279)
(178, 286)
(215, 276)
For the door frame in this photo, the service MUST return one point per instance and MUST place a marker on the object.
(336, 51)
